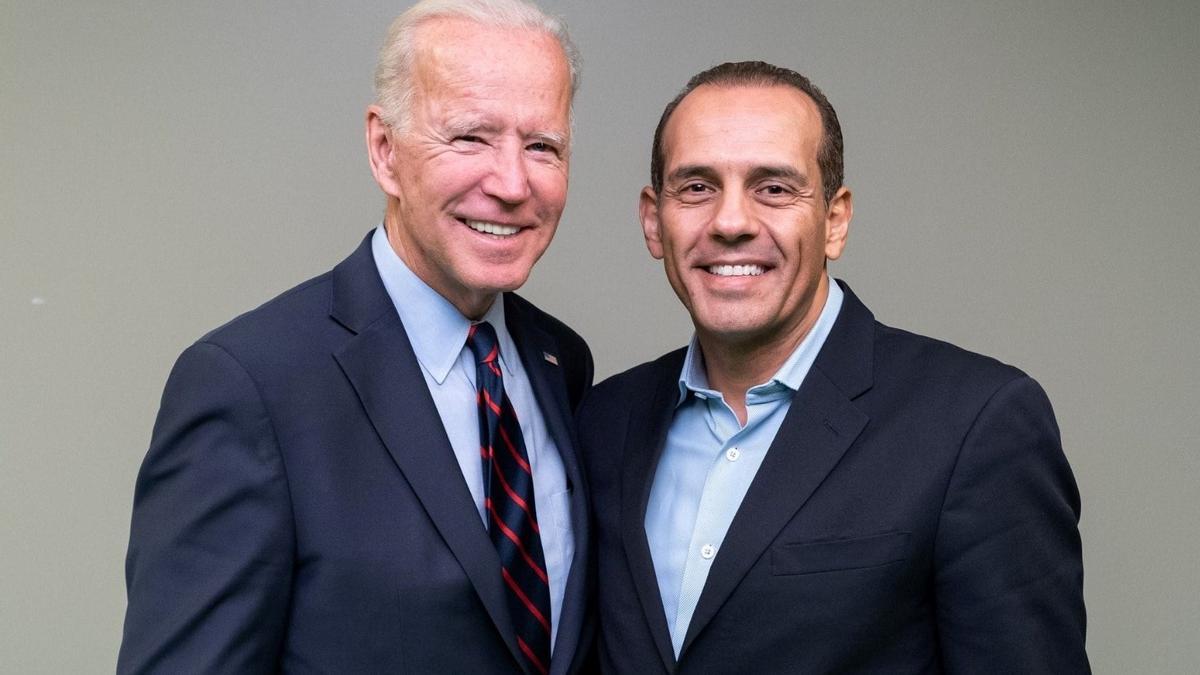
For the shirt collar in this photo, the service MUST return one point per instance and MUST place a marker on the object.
(693, 377)
(435, 327)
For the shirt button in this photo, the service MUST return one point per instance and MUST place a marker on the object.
(732, 454)
(708, 551)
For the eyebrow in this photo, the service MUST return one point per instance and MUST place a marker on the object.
(551, 137)
(466, 125)
(693, 171)
(783, 171)
(470, 125)
(757, 173)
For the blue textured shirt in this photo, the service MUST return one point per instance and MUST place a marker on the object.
(438, 333)
(707, 465)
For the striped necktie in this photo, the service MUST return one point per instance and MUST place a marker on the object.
(508, 499)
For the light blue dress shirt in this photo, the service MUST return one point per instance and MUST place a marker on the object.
(707, 465)
(438, 333)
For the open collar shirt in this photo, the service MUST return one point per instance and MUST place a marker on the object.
(707, 465)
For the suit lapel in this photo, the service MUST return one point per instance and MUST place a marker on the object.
(380, 364)
(821, 423)
(816, 431)
(644, 440)
(549, 388)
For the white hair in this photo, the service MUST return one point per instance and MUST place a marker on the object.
(393, 74)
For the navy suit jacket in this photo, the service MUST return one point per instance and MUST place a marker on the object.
(914, 514)
(300, 508)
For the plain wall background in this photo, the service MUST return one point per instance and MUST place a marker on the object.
(1026, 180)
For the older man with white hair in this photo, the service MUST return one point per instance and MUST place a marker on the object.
(376, 471)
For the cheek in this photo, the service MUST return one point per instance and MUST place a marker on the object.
(451, 172)
(429, 186)
(686, 238)
(549, 183)
(675, 264)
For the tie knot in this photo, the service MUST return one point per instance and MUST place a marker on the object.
(481, 338)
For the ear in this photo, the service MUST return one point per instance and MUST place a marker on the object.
(381, 151)
(837, 222)
(651, 228)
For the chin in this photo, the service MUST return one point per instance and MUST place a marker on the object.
(728, 318)
(732, 331)
(500, 281)
(747, 330)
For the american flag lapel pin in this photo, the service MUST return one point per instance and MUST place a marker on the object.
(550, 358)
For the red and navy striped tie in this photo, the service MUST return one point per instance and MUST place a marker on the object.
(508, 498)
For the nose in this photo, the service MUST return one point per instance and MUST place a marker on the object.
(508, 180)
(732, 221)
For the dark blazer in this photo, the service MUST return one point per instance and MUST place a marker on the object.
(300, 508)
(914, 514)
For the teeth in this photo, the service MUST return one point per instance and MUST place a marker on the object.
(492, 228)
(735, 270)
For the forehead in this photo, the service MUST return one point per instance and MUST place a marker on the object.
(743, 125)
(452, 51)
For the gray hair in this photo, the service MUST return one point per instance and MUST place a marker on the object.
(393, 73)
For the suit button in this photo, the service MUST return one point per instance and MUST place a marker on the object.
(732, 454)
(708, 551)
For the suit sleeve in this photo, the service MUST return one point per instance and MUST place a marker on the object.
(1009, 571)
(210, 552)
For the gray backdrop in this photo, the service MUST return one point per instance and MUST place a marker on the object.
(1026, 177)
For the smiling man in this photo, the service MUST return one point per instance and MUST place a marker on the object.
(803, 489)
(375, 471)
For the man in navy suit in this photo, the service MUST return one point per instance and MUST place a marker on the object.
(803, 489)
(318, 495)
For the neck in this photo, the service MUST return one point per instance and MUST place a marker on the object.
(732, 369)
(733, 365)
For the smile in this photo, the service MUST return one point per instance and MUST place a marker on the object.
(492, 228)
(735, 270)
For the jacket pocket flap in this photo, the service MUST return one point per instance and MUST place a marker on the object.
(839, 554)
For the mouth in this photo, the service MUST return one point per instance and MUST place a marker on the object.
(735, 270)
(486, 227)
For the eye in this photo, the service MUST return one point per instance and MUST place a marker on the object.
(775, 193)
(467, 138)
(541, 147)
(694, 192)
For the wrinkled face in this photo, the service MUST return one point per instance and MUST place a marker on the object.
(741, 223)
(477, 179)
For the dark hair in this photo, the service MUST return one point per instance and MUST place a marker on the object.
(761, 74)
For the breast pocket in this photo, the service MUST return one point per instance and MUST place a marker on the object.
(831, 555)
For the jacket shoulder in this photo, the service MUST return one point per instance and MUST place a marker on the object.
(918, 358)
(280, 325)
(628, 387)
